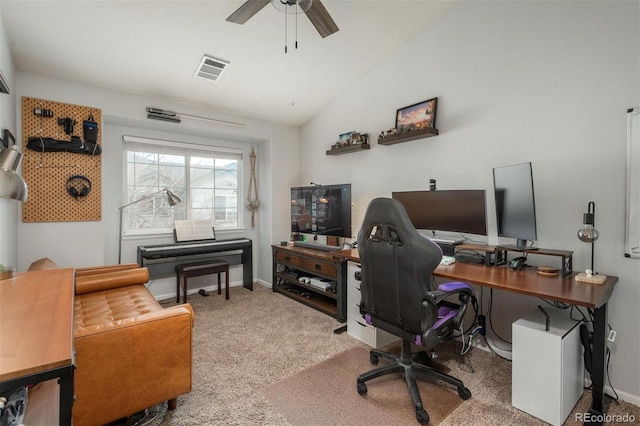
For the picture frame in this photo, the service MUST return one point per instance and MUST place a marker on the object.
(359, 139)
(345, 138)
(417, 116)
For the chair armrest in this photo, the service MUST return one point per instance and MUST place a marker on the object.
(109, 280)
(447, 289)
(441, 317)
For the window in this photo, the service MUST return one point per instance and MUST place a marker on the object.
(207, 180)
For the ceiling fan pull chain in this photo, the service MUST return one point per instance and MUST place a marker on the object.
(285, 31)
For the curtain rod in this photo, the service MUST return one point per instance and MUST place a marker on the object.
(157, 113)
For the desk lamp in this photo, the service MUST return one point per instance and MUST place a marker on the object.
(589, 234)
(171, 197)
(12, 185)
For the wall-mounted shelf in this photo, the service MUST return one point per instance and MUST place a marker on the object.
(408, 136)
(348, 148)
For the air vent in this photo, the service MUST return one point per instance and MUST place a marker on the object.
(210, 68)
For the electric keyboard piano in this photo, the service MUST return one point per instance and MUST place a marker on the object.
(161, 259)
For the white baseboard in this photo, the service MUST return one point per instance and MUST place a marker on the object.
(263, 283)
(624, 396)
(209, 288)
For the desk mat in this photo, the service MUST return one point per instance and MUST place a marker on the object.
(326, 394)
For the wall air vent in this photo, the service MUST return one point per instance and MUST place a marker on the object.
(210, 68)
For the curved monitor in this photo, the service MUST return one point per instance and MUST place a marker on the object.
(462, 211)
(515, 204)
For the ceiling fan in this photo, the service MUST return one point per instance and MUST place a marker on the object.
(314, 9)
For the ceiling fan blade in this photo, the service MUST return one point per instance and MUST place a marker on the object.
(320, 18)
(247, 10)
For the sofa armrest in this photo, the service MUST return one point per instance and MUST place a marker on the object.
(110, 280)
(94, 270)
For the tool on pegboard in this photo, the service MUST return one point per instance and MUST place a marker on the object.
(42, 112)
(67, 124)
(90, 129)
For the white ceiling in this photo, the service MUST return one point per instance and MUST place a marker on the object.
(153, 48)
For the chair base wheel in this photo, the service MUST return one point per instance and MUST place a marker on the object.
(422, 416)
(464, 393)
(373, 359)
(422, 358)
(362, 388)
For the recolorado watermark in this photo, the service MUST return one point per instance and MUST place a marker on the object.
(604, 418)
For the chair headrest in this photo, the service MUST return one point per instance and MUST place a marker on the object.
(386, 221)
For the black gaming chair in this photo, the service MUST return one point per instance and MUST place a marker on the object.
(397, 263)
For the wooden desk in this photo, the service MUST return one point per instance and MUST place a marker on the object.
(36, 334)
(560, 289)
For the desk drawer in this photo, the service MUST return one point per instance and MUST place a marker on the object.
(368, 334)
(362, 331)
(288, 259)
(319, 267)
(314, 266)
(353, 300)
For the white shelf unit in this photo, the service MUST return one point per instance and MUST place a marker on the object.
(356, 325)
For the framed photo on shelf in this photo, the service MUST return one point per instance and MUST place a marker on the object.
(345, 138)
(417, 116)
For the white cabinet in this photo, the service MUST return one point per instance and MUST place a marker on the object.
(356, 325)
(547, 366)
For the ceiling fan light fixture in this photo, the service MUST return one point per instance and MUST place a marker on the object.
(284, 5)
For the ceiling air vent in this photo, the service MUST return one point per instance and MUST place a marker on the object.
(210, 68)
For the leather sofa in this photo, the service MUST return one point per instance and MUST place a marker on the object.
(131, 353)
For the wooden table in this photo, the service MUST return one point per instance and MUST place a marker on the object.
(36, 335)
(562, 289)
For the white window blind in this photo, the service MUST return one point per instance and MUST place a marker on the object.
(206, 178)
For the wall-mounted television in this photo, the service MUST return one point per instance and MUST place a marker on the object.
(462, 211)
(515, 204)
(321, 210)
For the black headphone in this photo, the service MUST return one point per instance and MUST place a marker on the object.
(78, 186)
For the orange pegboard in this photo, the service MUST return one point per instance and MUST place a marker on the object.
(46, 173)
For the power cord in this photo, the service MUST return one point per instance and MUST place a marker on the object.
(589, 323)
(489, 316)
(493, 351)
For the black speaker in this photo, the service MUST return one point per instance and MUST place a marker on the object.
(78, 186)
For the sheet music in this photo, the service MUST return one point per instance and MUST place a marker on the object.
(190, 230)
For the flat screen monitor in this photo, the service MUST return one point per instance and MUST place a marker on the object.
(462, 211)
(321, 210)
(515, 204)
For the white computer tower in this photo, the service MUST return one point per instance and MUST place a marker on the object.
(547, 366)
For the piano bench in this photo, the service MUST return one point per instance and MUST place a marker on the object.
(197, 269)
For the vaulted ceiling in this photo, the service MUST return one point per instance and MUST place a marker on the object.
(154, 47)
